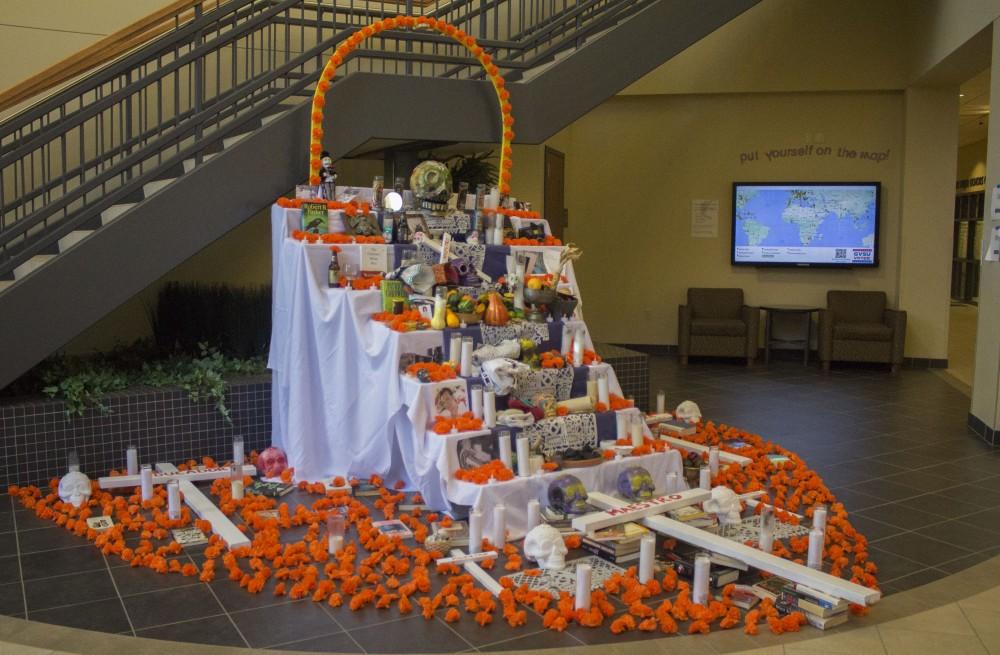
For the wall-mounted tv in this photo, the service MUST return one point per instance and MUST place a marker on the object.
(806, 224)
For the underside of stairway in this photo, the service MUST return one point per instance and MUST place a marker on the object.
(91, 270)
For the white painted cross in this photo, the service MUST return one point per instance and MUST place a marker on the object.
(625, 512)
(195, 499)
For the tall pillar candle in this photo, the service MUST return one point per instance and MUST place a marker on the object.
(602, 390)
(819, 518)
(647, 555)
(523, 457)
(238, 454)
(673, 484)
(583, 582)
(705, 478)
(661, 402)
(334, 532)
(816, 539)
(475, 531)
(592, 389)
(566, 346)
(702, 573)
(578, 348)
(499, 526)
(236, 482)
(636, 430)
(455, 348)
(621, 425)
(146, 482)
(505, 447)
(490, 409)
(477, 401)
(534, 513)
(713, 460)
(173, 500)
(765, 541)
(132, 460)
(466, 357)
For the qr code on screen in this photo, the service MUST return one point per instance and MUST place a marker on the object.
(840, 253)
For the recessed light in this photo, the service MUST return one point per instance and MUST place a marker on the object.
(961, 95)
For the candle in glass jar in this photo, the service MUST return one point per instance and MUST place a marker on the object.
(705, 478)
(499, 526)
(132, 460)
(455, 349)
(236, 482)
(602, 389)
(146, 482)
(661, 402)
(523, 457)
(505, 449)
(335, 532)
(699, 586)
(647, 555)
(713, 460)
(173, 500)
(238, 454)
(534, 513)
(475, 531)
(466, 357)
(583, 583)
(621, 425)
(477, 401)
(578, 348)
(490, 409)
(637, 436)
(815, 557)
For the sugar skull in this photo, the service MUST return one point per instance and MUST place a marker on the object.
(725, 504)
(431, 181)
(688, 411)
(546, 401)
(271, 462)
(635, 483)
(74, 488)
(567, 495)
(545, 545)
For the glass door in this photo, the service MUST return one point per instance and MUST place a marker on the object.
(966, 244)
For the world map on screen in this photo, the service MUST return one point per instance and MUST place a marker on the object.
(807, 216)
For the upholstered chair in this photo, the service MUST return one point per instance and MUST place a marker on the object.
(856, 326)
(716, 323)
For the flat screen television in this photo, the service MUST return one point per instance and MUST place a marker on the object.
(833, 224)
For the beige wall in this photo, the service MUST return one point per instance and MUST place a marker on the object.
(971, 163)
(635, 163)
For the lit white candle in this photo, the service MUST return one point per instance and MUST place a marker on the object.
(523, 457)
(475, 531)
(705, 478)
(661, 402)
(334, 532)
(592, 390)
(621, 425)
(637, 436)
(490, 409)
(702, 573)
(673, 483)
(236, 482)
(477, 401)
(578, 348)
(132, 460)
(713, 460)
(566, 346)
(583, 582)
(499, 526)
(146, 482)
(505, 455)
(816, 539)
(537, 461)
(819, 518)
(455, 348)
(765, 541)
(602, 389)
(534, 513)
(173, 500)
(238, 454)
(647, 555)
(466, 370)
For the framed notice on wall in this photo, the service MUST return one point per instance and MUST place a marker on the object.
(705, 219)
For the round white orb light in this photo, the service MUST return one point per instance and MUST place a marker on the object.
(393, 201)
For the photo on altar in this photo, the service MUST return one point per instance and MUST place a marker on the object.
(451, 399)
(476, 451)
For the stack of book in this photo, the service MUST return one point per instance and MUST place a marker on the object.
(723, 571)
(618, 543)
(821, 610)
(676, 428)
(694, 516)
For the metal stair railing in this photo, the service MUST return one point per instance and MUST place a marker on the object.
(97, 142)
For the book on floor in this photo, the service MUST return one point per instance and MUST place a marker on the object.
(744, 597)
(620, 559)
(393, 528)
(677, 428)
(270, 489)
(825, 623)
(785, 593)
(621, 533)
(719, 576)
(366, 489)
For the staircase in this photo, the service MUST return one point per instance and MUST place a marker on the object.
(111, 182)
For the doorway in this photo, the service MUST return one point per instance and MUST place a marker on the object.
(554, 192)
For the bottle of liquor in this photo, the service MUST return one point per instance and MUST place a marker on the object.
(378, 186)
(402, 228)
(388, 226)
(333, 273)
(463, 192)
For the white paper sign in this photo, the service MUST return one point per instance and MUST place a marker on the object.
(705, 219)
(995, 198)
(375, 258)
(992, 253)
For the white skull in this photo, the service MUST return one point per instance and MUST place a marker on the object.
(688, 411)
(74, 488)
(545, 545)
(725, 504)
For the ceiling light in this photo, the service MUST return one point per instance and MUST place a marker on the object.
(961, 95)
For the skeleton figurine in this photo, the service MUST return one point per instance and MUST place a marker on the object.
(271, 462)
(327, 176)
(545, 545)
(74, 488)
(688, 411)
(635, 483)
(567, 495)
(725, 504)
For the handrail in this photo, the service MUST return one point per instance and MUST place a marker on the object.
(106, 50)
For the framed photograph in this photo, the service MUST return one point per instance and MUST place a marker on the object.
(476, 451)
(450, 399)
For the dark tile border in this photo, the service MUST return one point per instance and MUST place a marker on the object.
(924, 362)
(985, 432)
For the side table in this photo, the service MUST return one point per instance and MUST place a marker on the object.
(804, 337)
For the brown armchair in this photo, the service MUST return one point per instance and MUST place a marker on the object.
(856, 326)
(715, 322)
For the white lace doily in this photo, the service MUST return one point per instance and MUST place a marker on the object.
(557, 381)
(749, 530)
(474, 254)
(558, 434)
(537, 332)
(565, 579)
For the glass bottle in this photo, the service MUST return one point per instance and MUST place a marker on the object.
(333, 272)
(463, 193)
(378, 186)
(439, 320)
(399, 185)
(389, 226)
(402, 228)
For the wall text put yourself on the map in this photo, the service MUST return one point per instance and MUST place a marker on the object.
(812, 150)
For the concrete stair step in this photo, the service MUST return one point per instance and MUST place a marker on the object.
(150, 188)
(114, 211)
(73, 238)
(31, 265)
(232, 140)
(4, 284)
(189, 163)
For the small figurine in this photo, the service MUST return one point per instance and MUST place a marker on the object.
(327, 176)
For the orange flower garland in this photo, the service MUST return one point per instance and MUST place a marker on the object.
(552, 359)
(464, 423)
(335, 237)
(406, 322)
(549, 240)
(436, 372)
(349, 208)
(494, 469)
(344, 50)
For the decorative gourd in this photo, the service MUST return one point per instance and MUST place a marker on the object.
(496, 311)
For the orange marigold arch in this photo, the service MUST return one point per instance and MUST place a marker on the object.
(411, 22)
